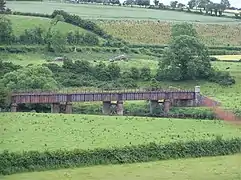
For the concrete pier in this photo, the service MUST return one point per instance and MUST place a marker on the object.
(55, 108)
(167, 105)
(154, 105)
(106, 107)
(119, 108)
(68, 108)
(14, 107)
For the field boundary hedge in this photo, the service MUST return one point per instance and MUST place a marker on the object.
(13, 162)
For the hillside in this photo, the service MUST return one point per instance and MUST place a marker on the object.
(153, 32)
(20, 23)
(92, 11)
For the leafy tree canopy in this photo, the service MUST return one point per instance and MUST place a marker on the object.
(185, 59)
(31, 77)
(183, 29)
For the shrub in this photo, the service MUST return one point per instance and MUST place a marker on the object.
(32, 36)
(222, 78)
(34, 160)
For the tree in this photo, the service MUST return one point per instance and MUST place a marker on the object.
(183, 29)
(180, 5)
(2, 5)
(113, 71)
(3, 96)
(145, 73)
(31, 77)
(156, 2)
(226, 3)
(6, 33)
(173, 4)
(203, 3)
(49, 39)
(185, 59)
(192, 3)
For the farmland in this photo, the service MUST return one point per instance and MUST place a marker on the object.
(31, 131)
(113, 12)
(20, 23)
(151, 32)
(215, 168)
(31, 141)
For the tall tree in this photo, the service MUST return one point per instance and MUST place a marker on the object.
(2, 5)
(173, 4)
(185, 59)
(192, 3)
(226, 3)
(156, 2)
(183, 29)
(6, 33)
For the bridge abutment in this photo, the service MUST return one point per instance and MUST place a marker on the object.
(14, 107)
(55, 108)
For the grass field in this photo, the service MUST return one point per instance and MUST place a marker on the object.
(20, 23)
(211, 168)
(112, 12)
(32, 131)
(150, 32)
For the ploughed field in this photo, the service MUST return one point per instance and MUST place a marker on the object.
(153, 32)
(32, 131)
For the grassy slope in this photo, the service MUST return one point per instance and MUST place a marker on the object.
(31, 131)
(150, 32)
(20, 23)
(211, 168)
(112, 12)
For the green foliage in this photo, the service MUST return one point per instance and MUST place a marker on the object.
(35, 161)
(32, 36)
(32, 77)
(186, 58)
(145, 73)
(222, 78)
(77, 21)
(183, 29)
(6, 33)
(7, 67)
(56, 41)
(3, 96)
(2, 5)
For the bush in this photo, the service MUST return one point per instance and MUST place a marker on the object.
(77, 21)
(222, 78)
(32, 36)
(12, 162)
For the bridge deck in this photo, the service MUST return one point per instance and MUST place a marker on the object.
(44, 97)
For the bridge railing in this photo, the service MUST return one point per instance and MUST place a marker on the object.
(89, 90)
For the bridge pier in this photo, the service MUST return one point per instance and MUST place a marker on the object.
(119, 108)
(106, 107)
(154, 104)
(14, 107)
(68, 108)
(55, 108)
(167, 105)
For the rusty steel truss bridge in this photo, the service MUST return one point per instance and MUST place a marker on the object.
(167, 97)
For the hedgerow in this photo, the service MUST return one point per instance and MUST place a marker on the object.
(14, 162)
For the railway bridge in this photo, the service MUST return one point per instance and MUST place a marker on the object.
(168, 98)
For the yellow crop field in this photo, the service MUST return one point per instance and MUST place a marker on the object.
(229, 57)
(153, 32)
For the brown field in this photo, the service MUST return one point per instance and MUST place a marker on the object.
(153, 32)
